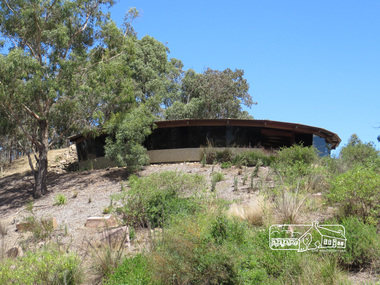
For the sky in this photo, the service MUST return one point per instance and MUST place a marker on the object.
(309, 62)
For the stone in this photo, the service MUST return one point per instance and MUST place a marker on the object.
(115, 236)
(14, 252)
(101, 222)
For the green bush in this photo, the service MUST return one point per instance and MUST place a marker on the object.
(358, 153)
(297, 154)
(226, 164)
(46, 266)
(252, 158)
(217, 176)
(153, 199)
(297, 166)
(60, 200)
(133, 271)
(201, 249)
(363, 245)
(217, 156)
(357, 193)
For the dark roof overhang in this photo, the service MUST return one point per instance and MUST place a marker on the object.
(330, 137)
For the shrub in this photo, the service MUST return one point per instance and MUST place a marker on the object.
(152, 200)
(252, 158)
(357, 193)
(45, 266)
(60, 200)
(226, 164)
(297, 154)
(217, 176)
(358, 153)
(363, 245)
(254, 212)
(42, 228)
(201, 249)
(133, 271)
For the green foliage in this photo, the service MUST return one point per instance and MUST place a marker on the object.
(217, 176)
(297, 165)
(363, 245)
(226, 164)
(215, 156)
(211, 95)
(252, 158)
(297, 154)
(45, 87)
(357, 193)
(154, 199)
(358, 153)
(199, 250)
(42, 228)
(45, 266)
(128, 132)
(60, 200)
(133, 271)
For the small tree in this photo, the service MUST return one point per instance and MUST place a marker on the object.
(128, 132)
(54, 46)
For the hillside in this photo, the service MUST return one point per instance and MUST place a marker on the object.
(88, 194)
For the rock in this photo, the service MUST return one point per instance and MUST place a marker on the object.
(101, 222)
(14, 252)
(115, 236)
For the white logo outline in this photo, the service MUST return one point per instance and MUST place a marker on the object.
(307, 237)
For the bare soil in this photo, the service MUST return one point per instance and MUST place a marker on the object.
(88, 194)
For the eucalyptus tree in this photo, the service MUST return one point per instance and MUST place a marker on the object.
(55, 47)
(212, 94)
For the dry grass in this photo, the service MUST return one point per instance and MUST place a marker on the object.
(256, 212)
(288, 206)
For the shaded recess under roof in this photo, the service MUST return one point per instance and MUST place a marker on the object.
(190, 134)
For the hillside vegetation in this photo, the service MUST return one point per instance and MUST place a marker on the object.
(208, 222)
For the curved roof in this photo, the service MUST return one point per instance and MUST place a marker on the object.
(330, 137)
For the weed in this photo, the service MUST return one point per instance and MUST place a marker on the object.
(253, 212)
(288, 205)
(236, 182)
(245, 178)
(204, 160)
(226, 164)
(42, 228)
(252, 157)
(75, 194)
(60, 200)
(29, 207)
(217, 176)
(133, 270)
(48, 265)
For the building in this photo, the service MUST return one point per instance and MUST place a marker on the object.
(182, 140)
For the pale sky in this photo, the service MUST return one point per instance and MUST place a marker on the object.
(314, 62)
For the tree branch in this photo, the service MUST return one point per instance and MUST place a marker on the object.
(32, 140)
(33, 114)
(61, 135)
(6, 3)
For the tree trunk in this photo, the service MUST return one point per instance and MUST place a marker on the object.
(40, 186)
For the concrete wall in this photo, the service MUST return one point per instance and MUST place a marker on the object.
(160, 156)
